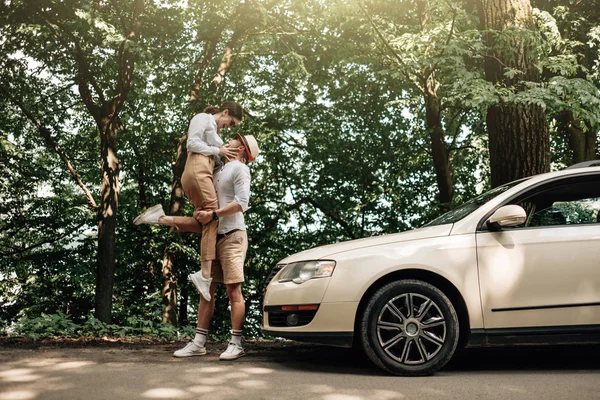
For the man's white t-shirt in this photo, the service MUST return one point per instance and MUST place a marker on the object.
(232, 183)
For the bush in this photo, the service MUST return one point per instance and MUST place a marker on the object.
(59, 325)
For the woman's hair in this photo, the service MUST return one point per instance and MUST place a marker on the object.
(235, 110)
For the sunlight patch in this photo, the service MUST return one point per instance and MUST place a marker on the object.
(18, 395)
(339, 396)
(165, 393)
(72, 365)
(258, 370)
(208, 369)
(211, 381)
(15, 372)
(253, 384)
(41, 363)
(235, 375)
(387, 394)
(22, 378)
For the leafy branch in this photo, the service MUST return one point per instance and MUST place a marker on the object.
(46, 135)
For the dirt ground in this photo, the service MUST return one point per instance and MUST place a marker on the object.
(139, 368)
(147, 349)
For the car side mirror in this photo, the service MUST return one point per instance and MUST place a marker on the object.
(506, 216)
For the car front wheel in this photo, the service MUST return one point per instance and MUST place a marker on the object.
(409, 327)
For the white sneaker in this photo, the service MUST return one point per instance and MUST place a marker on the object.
(201, 283)
(190, 349)
(150, 216)
(234, 351)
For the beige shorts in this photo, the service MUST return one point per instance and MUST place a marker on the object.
(231, 255)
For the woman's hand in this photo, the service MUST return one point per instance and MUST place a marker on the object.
(228, 152)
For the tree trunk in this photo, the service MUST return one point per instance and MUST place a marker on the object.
(169, 290)
(582, 144)
(439, 151)
(519, 141)
(106, 117)
(183, 304)
(433, 123)
(107, 221)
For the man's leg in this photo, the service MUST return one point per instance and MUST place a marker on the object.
(205, 312)
(231, 253)
(206, 309)
(238, 315)
(238, 307)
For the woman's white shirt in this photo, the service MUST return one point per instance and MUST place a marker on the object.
(202, 135)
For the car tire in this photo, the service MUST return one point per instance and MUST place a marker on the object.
(409, 327)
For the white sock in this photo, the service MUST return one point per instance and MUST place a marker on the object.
(236, 337)
(200, 338)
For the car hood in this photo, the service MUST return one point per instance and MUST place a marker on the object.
(329, 250)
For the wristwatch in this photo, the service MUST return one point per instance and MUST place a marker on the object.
(215, 217)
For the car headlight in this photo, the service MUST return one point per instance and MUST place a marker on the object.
(303, 271)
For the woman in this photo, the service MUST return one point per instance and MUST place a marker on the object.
(204, 146)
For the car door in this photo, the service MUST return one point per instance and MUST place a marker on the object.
(546, 272)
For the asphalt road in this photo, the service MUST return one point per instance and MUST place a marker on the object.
(289, 371)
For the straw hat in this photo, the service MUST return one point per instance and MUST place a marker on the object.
(250, 145)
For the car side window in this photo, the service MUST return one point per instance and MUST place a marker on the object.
(577, 212)
(573, 201)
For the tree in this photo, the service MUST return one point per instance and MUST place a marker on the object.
(570, 30)
(519, 141)
(78, 29)
(429, 73)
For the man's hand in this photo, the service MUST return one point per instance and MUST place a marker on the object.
(203, 216)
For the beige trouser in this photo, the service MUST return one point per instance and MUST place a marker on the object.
(198, 185)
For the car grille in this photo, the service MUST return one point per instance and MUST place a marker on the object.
(274, 272)
(278, 318)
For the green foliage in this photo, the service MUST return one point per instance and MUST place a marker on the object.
(335, 97)
(59, 325)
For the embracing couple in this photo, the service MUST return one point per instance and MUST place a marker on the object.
(220, 192)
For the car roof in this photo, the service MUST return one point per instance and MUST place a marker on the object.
(591, 163)
(563, 172)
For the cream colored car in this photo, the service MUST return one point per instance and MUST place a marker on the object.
(519, 264)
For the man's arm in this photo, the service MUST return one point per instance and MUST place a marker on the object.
(241, 187)
(205, 216)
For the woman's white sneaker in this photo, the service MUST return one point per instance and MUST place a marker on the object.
(201, 283)
(150, 216)
(190, 349)
(233, 352)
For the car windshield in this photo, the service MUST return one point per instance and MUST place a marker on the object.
(467, 208)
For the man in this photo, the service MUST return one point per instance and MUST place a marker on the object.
(232, 184)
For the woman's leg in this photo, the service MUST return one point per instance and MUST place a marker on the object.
(182, 224)
(197, 182)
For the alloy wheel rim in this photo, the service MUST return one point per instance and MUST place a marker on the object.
(411, 329)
